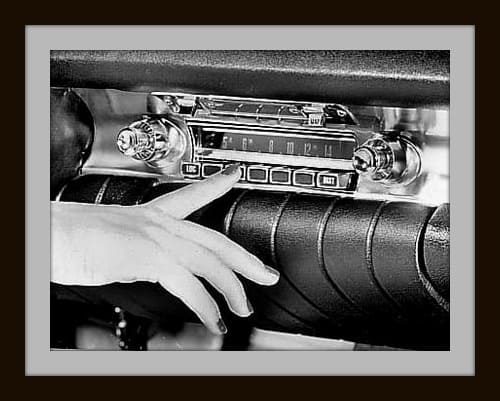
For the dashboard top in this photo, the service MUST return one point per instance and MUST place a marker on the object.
(400, 78)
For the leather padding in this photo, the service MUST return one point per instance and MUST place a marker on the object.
(345, 252)
(436, 250)
(351, 269)
(105, 190)
(254, 225)
(299, 253)
(385, 77)
(396, 257)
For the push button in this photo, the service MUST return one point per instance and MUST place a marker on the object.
(328, 180)
(209, 169)
(280, 175)
(243, 173)
(191, 170)
(304, 178)
(345, 180)
(257, 174)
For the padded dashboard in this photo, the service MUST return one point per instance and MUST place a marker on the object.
(350, 269)
(389, 78)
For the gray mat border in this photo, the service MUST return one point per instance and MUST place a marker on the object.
(41, 361)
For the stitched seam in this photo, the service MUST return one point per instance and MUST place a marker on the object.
(274, 258)
(321, 258)
(274, 228)
(369, 256)
(228, 220)
(443, 303)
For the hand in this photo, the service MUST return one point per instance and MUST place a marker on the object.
(102, 244)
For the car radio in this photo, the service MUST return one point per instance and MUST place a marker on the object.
(280, 145)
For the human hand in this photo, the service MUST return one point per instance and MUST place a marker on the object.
(102, 244)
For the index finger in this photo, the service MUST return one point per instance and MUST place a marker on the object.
(184, 201)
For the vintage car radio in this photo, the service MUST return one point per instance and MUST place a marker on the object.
(282, 145)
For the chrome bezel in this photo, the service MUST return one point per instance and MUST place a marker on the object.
(304, 171)
(327, 173)
(260, 168)
(280, 169)
(202, 172)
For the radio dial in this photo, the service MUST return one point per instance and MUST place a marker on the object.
(157, 142)
(388, 159)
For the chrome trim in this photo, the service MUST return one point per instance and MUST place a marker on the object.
(59, 194)
(230, 213)
(102, 191)
(427, 128)
(243, 172)
(327, 173)
(304, 171)
(340, 136)
(190, 175)
(339, 132)
(280, 169)
(210, 165)
(260, 168)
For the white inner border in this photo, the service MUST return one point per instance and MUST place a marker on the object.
(40, 360)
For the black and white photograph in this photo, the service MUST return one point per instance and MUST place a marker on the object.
(250, 200)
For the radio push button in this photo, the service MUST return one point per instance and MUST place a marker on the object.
(191, 170)
(280, 175)
(304, 178)
(243, 172)
(258, 174)
(328, 180)
(345, 180)
(209, 169)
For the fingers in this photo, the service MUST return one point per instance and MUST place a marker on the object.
(204, 263)
(226, 282)
(184, 201)
(231, 254)
(189, 290)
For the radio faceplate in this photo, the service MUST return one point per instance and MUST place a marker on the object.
(370, 152)
(276, 156)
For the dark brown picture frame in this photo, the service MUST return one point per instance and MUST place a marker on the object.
(233, 387)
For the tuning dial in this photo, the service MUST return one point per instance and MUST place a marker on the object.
(388, 159)
(157, 142)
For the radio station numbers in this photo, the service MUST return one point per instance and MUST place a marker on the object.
(330, 148)
(307, 148)
(226, 140)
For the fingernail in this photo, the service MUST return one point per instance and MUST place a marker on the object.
(250, 307)
(274, 272)
(231, 169)
(222, 327)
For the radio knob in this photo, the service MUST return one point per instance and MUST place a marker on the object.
(157, 142)
(388, 159)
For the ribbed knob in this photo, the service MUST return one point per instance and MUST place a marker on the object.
(387, 159)
(155, 141)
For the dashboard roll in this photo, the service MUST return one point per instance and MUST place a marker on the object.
(352, 269)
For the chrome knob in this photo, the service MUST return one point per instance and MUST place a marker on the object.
(156, 142)
(388, 159)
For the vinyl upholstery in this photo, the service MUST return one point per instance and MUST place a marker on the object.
(351, 269)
